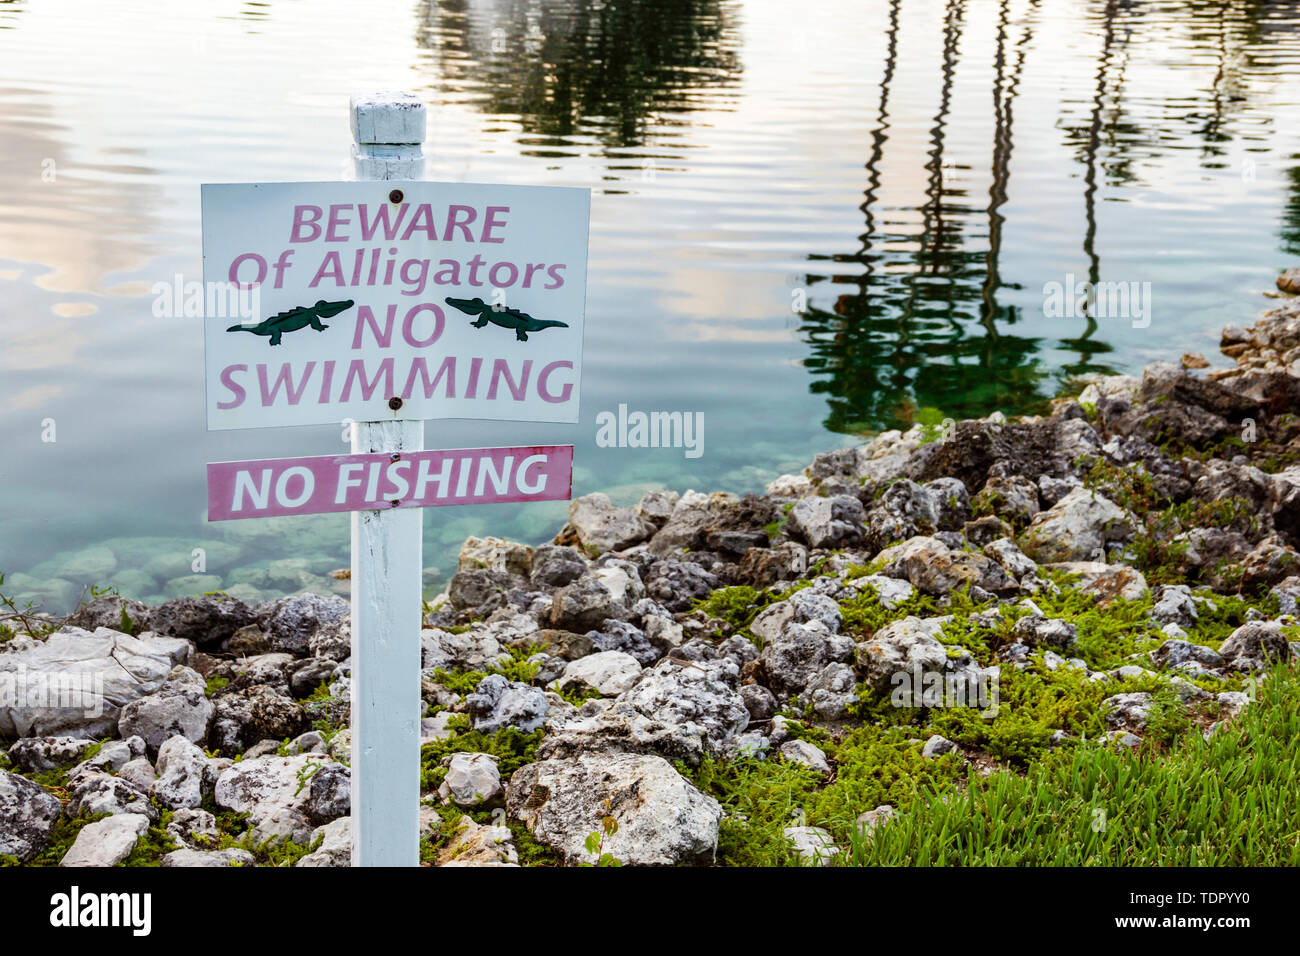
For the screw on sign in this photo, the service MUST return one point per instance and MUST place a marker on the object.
(373, 311)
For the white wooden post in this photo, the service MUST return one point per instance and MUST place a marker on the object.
(387, 561)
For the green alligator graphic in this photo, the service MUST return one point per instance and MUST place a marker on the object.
(521, 322)
(294, 319)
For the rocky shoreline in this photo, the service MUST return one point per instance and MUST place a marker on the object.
(719, 675)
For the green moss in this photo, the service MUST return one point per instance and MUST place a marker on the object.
(737, 606)
(154, 845)
(512, 748)
(518, 669)
(577, 696)
(530, 852)
(760, 798)
(62, 835)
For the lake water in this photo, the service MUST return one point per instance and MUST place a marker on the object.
(807, 223)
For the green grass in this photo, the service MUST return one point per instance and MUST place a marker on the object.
(1229, 801)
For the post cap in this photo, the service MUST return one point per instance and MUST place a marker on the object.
(390, 118)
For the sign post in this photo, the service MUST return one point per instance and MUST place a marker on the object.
(383, 302)
(387, 567)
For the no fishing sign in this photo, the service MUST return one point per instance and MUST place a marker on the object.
(394, 300)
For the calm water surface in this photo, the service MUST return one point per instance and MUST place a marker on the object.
(807, 223)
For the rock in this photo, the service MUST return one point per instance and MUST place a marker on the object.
(179, 707)
(181, 770)
(868, 822)
(330, 794)
(600, 527)
(802, 607)
(1051, 490)
(827, 522)
(807, 755)
(94, 793)
(891, 592)
(476, 845)
(1174, 605)
(206, 620)
(433, 729)
(1175, 653)
(498, 702)
(474, 650)
(1034, 630)
(472, 779)
(903, 510)
(662, 819)
(789, 486)
(1269, 563)
(557, 565)
(812, 846)
(759, 701)
(1117, 739)
(335, 847)
(292, 621)
(678, 709)
(1287, 593)
(686, 526)
(106, 611)
(1015, 562)
(1289, 281)
(27, 816)
(1232, 703)
(985, 529)
(933, 568)
(332, 641)
(741, 526)
(1010, 497)
(480, 590)
(88, 676)
(937, 746)
(258, 713)
(656, 507)
(111, 757)
(598, 596)
(795, 656)
(194, 828)
(832, 691)
(106, 842)
(273, 791)
(609, 673)
(630, 639)
(1194, 360)
(209, 858)
(496, 554)
(909, 646)
(37, 754)
(306, 677)
(1254, 645)
(677, 585)
(1104, 581)
(269, 669)
(140, 774)
(974, 450)
(1128, 710)
(1077, 528)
